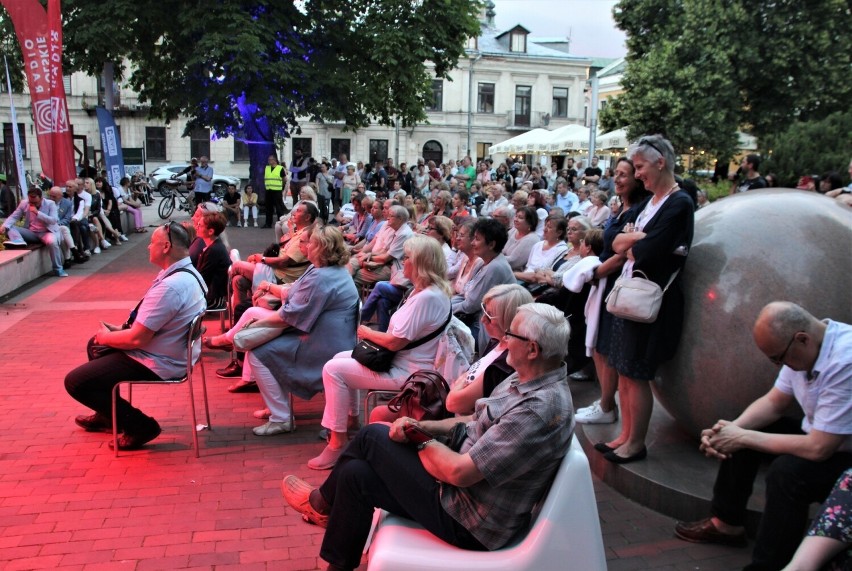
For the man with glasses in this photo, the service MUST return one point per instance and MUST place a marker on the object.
(816, 373)
(151, 345)
(477, 496)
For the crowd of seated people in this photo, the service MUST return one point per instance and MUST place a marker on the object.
(424, 250)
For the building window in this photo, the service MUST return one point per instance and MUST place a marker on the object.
(560, 102)
(437, 103)
(66, 83)
(523, 104)
(518, 42)
(241, 149)
(199, 142)
(303, 143)
(473, 43)
(485, 98)
(378, 150)
(339, 146)
(155, 143)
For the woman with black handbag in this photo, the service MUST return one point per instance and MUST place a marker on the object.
(424, 314)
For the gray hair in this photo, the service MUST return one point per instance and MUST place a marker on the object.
(547, 326)
(652, 147)
(400, 212)
(506, 299)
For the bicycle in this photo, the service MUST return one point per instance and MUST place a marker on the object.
(176, 194)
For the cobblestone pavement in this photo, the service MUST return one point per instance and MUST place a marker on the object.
(67, 503)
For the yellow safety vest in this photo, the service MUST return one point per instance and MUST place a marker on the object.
(272, 177)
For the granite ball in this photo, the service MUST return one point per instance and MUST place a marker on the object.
(748, 250)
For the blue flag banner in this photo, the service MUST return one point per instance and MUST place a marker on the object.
(111, 146)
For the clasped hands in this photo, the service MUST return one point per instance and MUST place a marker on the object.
(721, 440)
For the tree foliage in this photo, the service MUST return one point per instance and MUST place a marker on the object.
(700, 70)
(353, 61)
(811, 147)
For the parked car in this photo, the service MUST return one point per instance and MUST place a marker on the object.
(220, 182)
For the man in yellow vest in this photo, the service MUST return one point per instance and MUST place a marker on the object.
(273, 179)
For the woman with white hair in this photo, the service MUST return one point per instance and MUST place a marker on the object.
(657, 245)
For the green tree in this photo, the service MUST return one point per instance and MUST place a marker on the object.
(227, 63)
(700, 70)
(810, 147)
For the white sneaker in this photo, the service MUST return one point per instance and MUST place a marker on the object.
(97, 250)
(105, 244)
(124, 238)
(255, 223)
(594, 414)
(239, 225)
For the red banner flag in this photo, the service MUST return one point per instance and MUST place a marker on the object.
(40, 36)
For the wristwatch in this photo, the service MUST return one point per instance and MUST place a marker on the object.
(422, 445)
(263, 260)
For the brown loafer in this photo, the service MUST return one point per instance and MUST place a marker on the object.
(703, 531)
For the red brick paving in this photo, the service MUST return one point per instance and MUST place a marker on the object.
(67, 503)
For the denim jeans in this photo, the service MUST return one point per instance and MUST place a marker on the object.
(384, 298)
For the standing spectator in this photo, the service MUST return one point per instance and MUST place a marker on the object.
(483, 175)
(338, 171)
(751, 178)
(351, 183)
(570, 174)
(657, 245)
(420, 181)
(324, 183)
(299, 173)
(466, 174)
(593, 172)
(203, 180)
(249, 203)
(404, 178)
(274, 177)
(551, 177)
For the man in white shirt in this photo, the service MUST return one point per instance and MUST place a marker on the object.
(566, 199)
(806, 457)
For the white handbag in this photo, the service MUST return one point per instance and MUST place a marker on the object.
(636, 298)
(248, 339)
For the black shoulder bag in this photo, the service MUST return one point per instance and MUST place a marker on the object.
(379, 359)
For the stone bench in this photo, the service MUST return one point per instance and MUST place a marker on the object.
(19, 266)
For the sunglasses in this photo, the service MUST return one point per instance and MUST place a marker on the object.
(646, 141)
(182, 239)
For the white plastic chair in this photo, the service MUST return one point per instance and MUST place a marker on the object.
(565, 534)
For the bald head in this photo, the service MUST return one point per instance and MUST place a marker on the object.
(789, 335)
(55, 194)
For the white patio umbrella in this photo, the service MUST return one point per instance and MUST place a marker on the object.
(613, 140)
(565, 138)
(518, 144)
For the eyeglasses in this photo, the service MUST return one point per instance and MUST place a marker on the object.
(508, 333)
(647, 141)
(779, 360)
(487, 315)
(570, 230)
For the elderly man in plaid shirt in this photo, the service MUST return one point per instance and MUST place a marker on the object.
(478, 497)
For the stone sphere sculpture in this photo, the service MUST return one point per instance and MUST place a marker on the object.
(751, 249)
